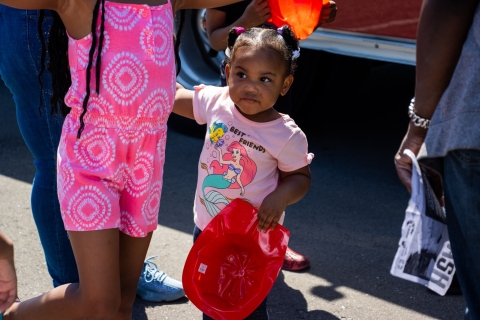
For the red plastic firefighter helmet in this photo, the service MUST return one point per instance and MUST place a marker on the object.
(232, 266)
(301, 15)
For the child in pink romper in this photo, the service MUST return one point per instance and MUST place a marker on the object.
(112, 176)
(111, 153)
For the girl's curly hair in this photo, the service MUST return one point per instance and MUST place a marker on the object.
(282, 41)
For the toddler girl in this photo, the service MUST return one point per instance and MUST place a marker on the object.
(120, 78)
(251, 151)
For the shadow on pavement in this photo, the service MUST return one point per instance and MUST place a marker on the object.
(140, 306)
(285, 302)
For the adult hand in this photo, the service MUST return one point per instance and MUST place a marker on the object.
(413, 140)
(256, 13)
(328, 13)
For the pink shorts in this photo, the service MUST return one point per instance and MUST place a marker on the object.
(112, 176)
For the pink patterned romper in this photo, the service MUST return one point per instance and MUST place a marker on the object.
(112, 176)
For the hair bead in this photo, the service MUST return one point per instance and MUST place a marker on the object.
(239, 30)
(296, 54)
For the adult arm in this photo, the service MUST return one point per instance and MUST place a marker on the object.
(293, 187)
(256, 13)
(442, 30)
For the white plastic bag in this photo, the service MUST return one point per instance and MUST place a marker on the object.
(424, 254)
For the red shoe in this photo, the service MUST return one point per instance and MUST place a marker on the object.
(295, 261)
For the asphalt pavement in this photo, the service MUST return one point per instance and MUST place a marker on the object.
(348, 224)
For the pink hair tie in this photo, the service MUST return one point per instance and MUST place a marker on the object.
(239, 30)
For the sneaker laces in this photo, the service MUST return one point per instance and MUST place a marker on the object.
(152, 273)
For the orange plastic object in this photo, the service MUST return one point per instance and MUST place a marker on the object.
(232, 266)
(301, 15)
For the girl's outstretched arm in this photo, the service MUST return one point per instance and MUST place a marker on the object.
(183, 105)
(196, 4)
(437, 58)
(293, 186)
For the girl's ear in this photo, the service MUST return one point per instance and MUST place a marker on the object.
(227, 72)
(286, 85)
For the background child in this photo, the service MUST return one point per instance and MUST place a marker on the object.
(41, 132)
(251, 151)
(248, 14)
(120, 78)
(254, 13)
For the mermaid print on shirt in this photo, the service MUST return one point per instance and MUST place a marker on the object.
(234, 169)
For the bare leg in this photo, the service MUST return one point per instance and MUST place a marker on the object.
(132, 255)
(98, 296)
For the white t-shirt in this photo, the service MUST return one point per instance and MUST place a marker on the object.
(240, 158)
